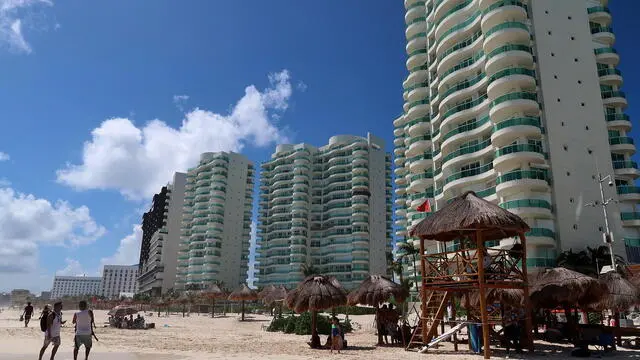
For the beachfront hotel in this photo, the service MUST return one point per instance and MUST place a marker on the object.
(328, 208)
(119, 280)
(75, 286)
(216, 222)
(520, 102)
(161, 230)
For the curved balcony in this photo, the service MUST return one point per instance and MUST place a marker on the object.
(520, 181)
(510, 78)
(610, 77)
(507, 131)
(450, 37)
(623, 144)
(628, 193)
(399, 160)
(599, 14)
(419, 163)
(416, 58)
(508, 56)
(466, 154)
(419, 126)
(464, 132)
(414, 11)
(421, 182)
(452, 16)
(630, 218)
(462, 89)
(418, 144)
(528, 207)
(510, 32)
(618, 121)
(457, 52)
(418, 108)
(400, 201)
(518, 102)
(466, 177)
(466, 110)
(400, 171)
(399, 150)
(415, 26)
(488, 194)
(541, 237)
(614, 99)
(607, 55)
(603, 34)
(503, 11)
(458, 71)
(512, 156)
(417, 74)
(417, 91)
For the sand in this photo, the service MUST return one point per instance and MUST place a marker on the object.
(200, 337)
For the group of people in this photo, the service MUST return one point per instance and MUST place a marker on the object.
(124, 322)
(51, 325)
(387, 325)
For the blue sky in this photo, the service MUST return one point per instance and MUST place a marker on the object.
(82, 80)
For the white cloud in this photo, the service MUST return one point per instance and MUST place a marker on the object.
(4, 182)
(4, 156)
(27, 222)
(180, 100)
(128, 251)
(72, 268)
(12, 14)
(301, 86)
(137, 161)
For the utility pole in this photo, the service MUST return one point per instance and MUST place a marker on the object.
(608, 236)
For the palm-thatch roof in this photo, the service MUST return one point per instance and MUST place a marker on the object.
(375, 290)
(277, 294)
(264, 292)
(563, 287)
(511, 297)
(182, 299)
(213, 292)
(315, 293)
(466, 214)
(620, 293)
(243, 293)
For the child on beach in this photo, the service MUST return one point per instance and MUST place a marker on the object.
(336, 339)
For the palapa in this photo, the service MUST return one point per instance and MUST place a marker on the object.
(243, 293)
(563, 287)
(264, 292)
(212, 293)
(277, 294)
(375, 290)
(620, 293)
(316, 293)
(510, 297)
(466, 214)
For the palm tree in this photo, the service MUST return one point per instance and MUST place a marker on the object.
(589, 261)
(396, 267)
(410, 250)
(309, 270)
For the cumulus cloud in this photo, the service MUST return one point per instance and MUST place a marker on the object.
(72, 268)
(128, 251)
(180, 100)
(12, 15)
(137, 161)
(27, 222)
(4, 156)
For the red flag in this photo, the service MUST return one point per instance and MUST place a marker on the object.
(425, 206)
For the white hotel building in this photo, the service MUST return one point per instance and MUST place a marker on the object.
(519, 101)
(327, 207)
(119, 279)
(76, 286)
(216, 222)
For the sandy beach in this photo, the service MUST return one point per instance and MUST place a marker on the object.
(200, 337)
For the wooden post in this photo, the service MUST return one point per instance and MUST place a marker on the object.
(423, 291)
(527, 302)
(483, 300)
(453, 315)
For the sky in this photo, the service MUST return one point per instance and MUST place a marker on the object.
(101, 101)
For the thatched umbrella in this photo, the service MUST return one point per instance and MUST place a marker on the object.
(183, 299)
(511, 297)
(620, 293)
(276, 296)
(375, 290)
(213, 292)
(563, 287)
(264, 292)
(243, 293)
(471, 216)
(316, 293)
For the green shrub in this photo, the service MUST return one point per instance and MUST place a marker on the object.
(290, 327)
(277, 324)
(301, 325)
(354, 310)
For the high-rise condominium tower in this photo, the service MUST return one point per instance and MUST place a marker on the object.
(328, 208)
(519, 101)
(160, 239)
(216, 222)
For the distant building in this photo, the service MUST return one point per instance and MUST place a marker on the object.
(75, 286)
(160, 239)
(45, 295)
(19, 297)
(118, 279)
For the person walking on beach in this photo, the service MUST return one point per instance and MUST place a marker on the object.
(336, 339)
(84, 323)
(52, 334)
(28, 311)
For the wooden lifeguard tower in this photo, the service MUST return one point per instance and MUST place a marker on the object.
(470, 223)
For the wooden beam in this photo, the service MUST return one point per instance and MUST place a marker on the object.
(480, 250)
(423, 290)
(527, 303)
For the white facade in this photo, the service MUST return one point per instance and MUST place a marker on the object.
(327, 207)
(118, 279)
(75, 286)
(520, 102)
(216, 222)
(158, 274)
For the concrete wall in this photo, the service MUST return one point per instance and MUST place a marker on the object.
(172, 238)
